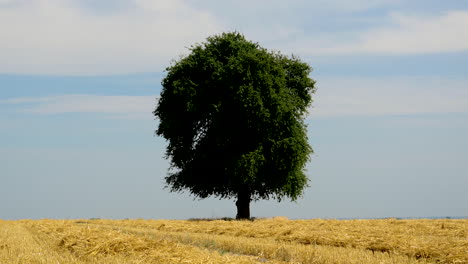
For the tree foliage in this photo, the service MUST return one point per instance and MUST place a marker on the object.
(233, 114)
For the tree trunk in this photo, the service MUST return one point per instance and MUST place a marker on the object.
(243, 203)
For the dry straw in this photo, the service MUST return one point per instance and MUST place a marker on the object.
(276, 240)
(442, 241)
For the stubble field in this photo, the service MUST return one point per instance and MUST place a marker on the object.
(276, 240)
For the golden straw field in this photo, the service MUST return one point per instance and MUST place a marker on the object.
(276, 240)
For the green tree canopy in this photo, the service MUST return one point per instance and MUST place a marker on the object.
(233, 114)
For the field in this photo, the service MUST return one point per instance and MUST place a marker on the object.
(276, 240)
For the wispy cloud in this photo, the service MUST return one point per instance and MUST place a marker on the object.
(389, 96)
(113, 106)
(406, 34)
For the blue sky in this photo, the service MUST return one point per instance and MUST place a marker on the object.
(80, 78)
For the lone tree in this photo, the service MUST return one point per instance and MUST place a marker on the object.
(233, 114)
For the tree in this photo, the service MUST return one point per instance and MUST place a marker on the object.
(233, 115)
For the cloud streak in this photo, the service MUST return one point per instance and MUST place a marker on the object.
(414, 35)
(389, 96)
(114, 106)
(402, 35)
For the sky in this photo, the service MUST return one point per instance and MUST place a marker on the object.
(79, 80)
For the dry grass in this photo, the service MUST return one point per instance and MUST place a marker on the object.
(442, 241)
(101, 245)
(19, 246)
(276, 240)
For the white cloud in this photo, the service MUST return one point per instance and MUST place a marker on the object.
(240, 8)
(59, 37)
(389, 96)
(352, 5)
(289, 25)
(62, 37)
(114, 106)
(407, 34)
